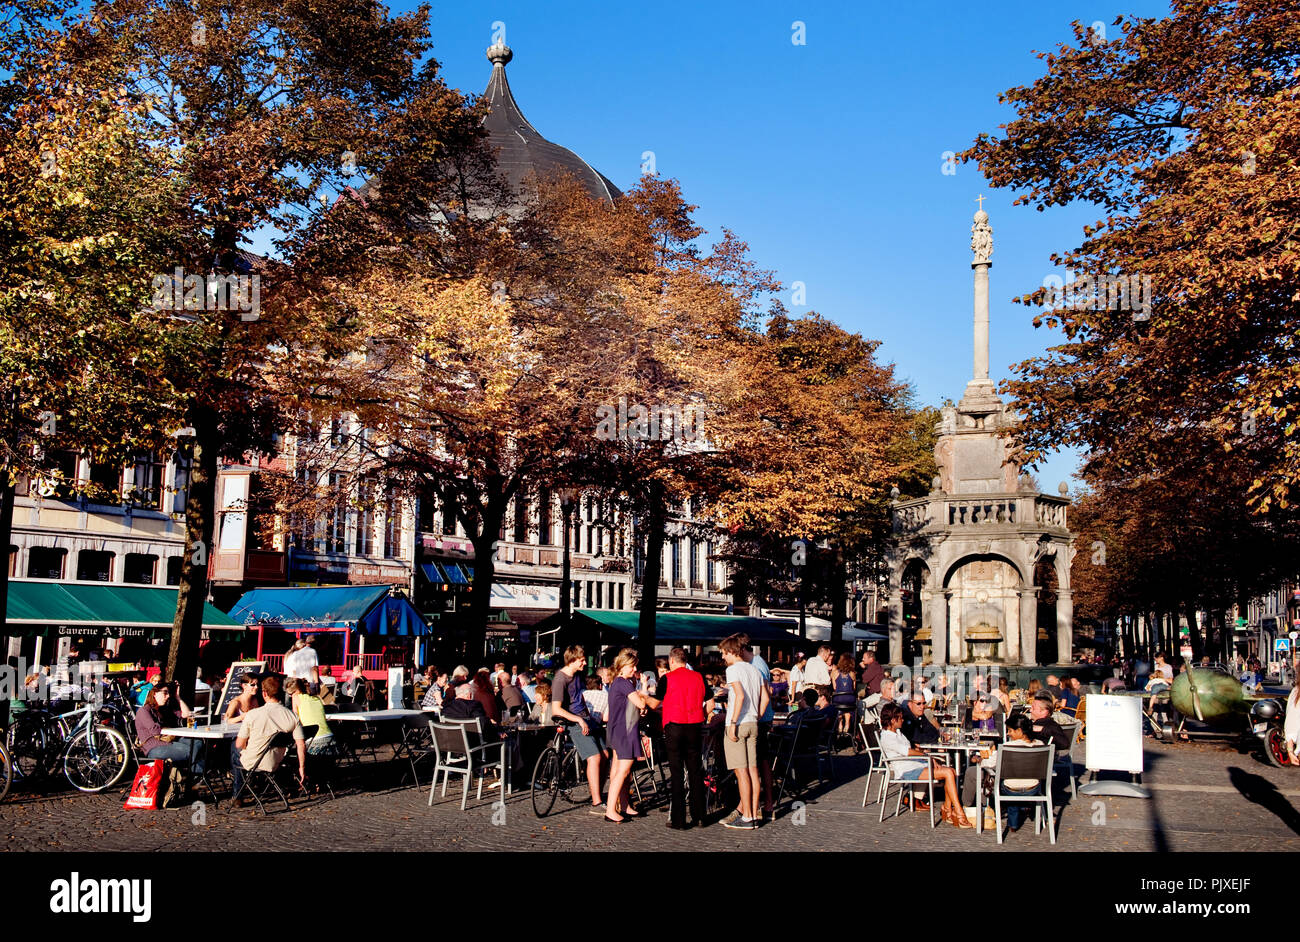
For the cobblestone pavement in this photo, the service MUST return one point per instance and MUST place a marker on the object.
(1205, 797)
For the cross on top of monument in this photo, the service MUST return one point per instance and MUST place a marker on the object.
(980, 199)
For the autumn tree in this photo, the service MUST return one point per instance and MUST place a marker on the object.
(1177, 373)
(258, 114)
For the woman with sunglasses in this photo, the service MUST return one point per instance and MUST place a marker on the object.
(249, 698)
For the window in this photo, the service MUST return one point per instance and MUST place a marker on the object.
(61, 472)
(426, 505)
(600, 595)
(174, 570)
(365, 542)
(694, 557)
(521, 517)
(94, 566)
(392, 528)
(449, 512)
(336, 432)
(13, 560)
(139, 568)
(588, 595)
(105, 483)
(620, 596)
(45, 562)
(147, 481)
(181, 491)
(545, 528)
(336, 521)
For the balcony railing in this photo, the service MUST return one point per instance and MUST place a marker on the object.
(966, 511)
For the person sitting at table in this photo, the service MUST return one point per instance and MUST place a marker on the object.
(311, 712)
(249, 699)
(984, 712)
(894, 744)
(162, 711)
(482, 690)
(1003, 693)
(437, 692)
(1020, 733)
(512, 701)
(541, 712)
(596, 696)
(465, 705)
(261, 726)
(919, 723)
(1045, 728)
(1070, 696)
(528, 687)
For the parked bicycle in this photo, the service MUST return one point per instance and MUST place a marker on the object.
(92, 755)
(558, 773)
(6, 772)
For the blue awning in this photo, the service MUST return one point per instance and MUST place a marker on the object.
(454, 574)
(396, 616)
(368, 607)
(432, 574)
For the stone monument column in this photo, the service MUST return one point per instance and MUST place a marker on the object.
(938, 626)
(1029, 627)
(981, 243)
(1064, 626)
(895, 626)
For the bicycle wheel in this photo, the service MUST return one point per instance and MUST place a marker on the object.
(6, 772)
(546, 781)
(721, 793)
(96, 758)
(27, 745)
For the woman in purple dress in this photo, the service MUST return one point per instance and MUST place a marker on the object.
(623, 734)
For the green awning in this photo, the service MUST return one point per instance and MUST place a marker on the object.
(679, 627)
(34, 606)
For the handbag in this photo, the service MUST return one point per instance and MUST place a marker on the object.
(146, 789)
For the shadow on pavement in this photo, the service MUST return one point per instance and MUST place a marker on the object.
(1260, 791)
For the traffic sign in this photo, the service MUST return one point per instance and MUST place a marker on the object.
(1282, 645)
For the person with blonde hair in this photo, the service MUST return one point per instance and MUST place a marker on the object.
(623, 734)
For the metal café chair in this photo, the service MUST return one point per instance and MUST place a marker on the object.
(871, 736)
(890, 762)
(261, 784)
(1019, 771)
(1064, 761)
(454, 755)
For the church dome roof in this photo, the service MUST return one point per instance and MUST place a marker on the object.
(521, 149)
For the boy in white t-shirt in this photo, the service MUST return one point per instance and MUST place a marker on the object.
(747, 700)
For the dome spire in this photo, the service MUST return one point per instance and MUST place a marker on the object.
(499, 54)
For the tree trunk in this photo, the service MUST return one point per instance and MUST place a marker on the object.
(655, 524)
(200, 524)
(480, 606)
(839, 580)
(6, 530)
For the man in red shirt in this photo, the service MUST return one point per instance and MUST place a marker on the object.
(682, 694)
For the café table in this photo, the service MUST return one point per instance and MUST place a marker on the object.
(371, 718)
(209, 735)
(960, 750)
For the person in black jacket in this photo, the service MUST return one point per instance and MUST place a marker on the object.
(1047, 729)
(464, 706)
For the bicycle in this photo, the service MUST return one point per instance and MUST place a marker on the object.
(6, 772)
(93, 756)
(558, 772)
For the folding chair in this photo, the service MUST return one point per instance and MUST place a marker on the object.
(415, 745)
(1020, 770)
(1064, 761)
(782, 745)
(826, 747)
(454, 754)
(875, 765)
(890, 762)
(260, 783)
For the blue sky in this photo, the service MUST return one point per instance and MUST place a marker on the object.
(826, 157)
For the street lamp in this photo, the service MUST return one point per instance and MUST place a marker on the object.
(568, 500)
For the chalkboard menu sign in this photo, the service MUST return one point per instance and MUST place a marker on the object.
(232, 689)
